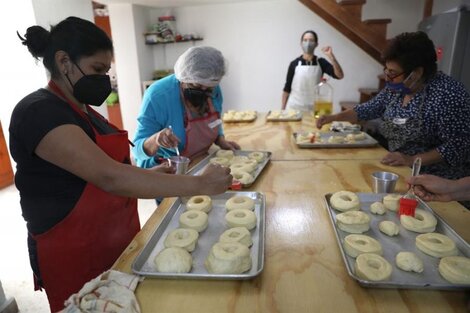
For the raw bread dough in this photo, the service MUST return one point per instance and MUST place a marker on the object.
(436, 245)
(240, 202)
(355, 222)
(358, 244)
(408, 261)
(372, 267)
(345, 201)
(221, 161)
(228, 154)
(241, 218)
(455, 269)
(173, 260)
(378, 208)
(196, 220)
(237, 234)
(243, 177)
(185, 238)
(422, 222)
(199, 203)
(257, 155)
(392, 201)
(228, 258)
(389, 228)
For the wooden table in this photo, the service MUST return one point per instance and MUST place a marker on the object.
(304, 270)
(277, 137)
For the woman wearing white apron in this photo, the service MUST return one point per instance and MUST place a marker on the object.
(305, 72)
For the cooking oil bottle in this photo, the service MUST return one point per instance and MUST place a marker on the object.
(323, 103)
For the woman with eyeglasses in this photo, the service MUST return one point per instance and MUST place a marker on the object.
(183, 110)
(305, 72)
(425, 113)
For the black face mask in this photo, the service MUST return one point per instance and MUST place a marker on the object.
(197, 97)
(91, 89)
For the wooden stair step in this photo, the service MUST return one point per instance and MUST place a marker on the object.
(378, 25)
(346, 105)
(353, 6)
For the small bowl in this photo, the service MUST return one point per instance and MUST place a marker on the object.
(384, 182)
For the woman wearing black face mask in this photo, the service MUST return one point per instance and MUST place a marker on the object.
(78, 189)
(425, 113)
(305, 72)
(190, 101)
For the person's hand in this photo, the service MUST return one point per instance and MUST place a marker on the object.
(216, 179)
(432, 188)
(166, 138)
(328, 51)
(322, 120)
(397, 158)
(164, 167)
(227, 145)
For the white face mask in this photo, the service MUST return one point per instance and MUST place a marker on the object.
(308, 46)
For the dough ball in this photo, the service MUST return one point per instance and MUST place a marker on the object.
(378, 208)
(228, 258)
(389, 228)
(237, 234)
(185, 238)
(345, 201)
(408, 261)
(392, 202)
(455, 269)
(173, 260)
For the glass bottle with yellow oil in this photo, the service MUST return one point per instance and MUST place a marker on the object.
(323, 103)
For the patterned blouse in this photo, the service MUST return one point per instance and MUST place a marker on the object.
(443, 111)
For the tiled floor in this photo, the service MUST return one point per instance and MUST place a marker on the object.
(15, 272)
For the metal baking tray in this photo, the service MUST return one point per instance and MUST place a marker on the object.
(404, 241)
(240, 121)
(283, 117)
(144, 263)
(200, 166)
(368, 142)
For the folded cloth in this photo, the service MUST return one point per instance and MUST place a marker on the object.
(112, 291)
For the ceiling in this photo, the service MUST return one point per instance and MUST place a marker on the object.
(169, 3)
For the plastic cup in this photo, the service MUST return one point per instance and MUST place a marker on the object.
(407, 207)
(180, 164)
(384, 182)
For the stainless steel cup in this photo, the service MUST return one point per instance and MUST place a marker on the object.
(180, 164)
(384, 182)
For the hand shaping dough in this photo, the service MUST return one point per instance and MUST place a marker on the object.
(199, 203)
(392, 201)
(389, 228)
(355, 222)
(372, 267)
(237, 234)
(228, 258)
(241, 218)
(196, 220)
(240, 202)
(423, 222)
(408, 261)
(345, 201)
(378, 208)
(173, 260)
(185, 238)
(455, 269)
(355, 245)
(436, 245)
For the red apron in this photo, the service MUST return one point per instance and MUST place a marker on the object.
(201, 132)
(89, 240)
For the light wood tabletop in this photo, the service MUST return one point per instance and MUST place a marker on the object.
(303, 270)
(277, 137)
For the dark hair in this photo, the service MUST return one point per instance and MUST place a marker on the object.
(309, 32)
(76, 36)
(413, 50)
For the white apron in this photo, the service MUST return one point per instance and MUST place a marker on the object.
(305, 80)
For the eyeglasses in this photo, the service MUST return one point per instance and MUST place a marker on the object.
(391, 74)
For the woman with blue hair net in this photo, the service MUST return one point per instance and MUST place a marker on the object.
(183, 110)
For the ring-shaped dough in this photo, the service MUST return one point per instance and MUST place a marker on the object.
(244, 177)
(408, 261)
(228, 258)
(345, 201)
(239, 159)
(257, 155)
(242, 167)
(196, 220)
(185, 238)
(436, 245)
(221, 161)
(237, 234)
(240, 203)
(199, 203)
(389, 228)
(241, 218)
(228, 154)
(378, 208)
(358, 244)
(372, 267)
(355, 222)
(422, 222)
(173, 260)
(392, 201)
(336, 139)
(455, 269)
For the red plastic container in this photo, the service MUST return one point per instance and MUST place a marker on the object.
(236, 185)
(407, 207)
